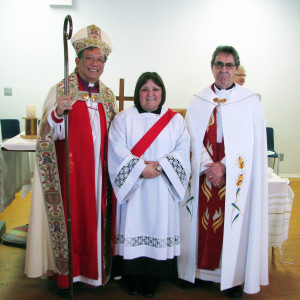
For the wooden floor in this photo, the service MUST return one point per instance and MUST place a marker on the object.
(284, 274)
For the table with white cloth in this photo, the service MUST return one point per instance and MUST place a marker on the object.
(15, 169)
(280, 208)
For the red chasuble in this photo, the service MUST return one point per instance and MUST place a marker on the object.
(211, 206)
(82, 189)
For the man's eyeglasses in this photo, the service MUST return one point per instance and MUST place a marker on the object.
(91, 59)
(220, 65)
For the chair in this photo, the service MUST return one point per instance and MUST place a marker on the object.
(9, 128)
(271, 151)
(181, 111)
(121, 98)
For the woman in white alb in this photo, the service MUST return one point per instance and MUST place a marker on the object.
(150, 179)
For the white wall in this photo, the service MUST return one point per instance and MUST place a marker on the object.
(175, 38)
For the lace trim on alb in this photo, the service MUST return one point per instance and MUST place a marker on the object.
(124, 173)
(148, 241)
(178, 168)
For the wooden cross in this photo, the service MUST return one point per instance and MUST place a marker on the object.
(121, 98)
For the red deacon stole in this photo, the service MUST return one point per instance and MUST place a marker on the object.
(144, 143)
(211, 206)
(82, 189)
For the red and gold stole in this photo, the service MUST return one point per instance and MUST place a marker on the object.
(82, 189)
(211, 205)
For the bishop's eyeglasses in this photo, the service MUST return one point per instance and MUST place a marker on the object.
(91, 59)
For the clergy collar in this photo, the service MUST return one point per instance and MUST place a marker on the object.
(141, 110)
(86, 85)
(233, 85)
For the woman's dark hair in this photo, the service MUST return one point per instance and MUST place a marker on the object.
(142, 80)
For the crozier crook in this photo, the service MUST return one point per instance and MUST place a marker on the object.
(66, 36)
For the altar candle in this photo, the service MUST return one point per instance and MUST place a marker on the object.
(31, 111)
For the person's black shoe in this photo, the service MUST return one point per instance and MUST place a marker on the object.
(186, 285)
(133, 284)
(236, 292)
(64, 293)
(149, 294)
(133, 292)
(149, 286)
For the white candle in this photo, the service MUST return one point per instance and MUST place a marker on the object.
(31, 111)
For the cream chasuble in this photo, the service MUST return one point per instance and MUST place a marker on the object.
(244, 256)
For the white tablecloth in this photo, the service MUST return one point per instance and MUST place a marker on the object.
(15, 169)
(17, 143)
(280, 208)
